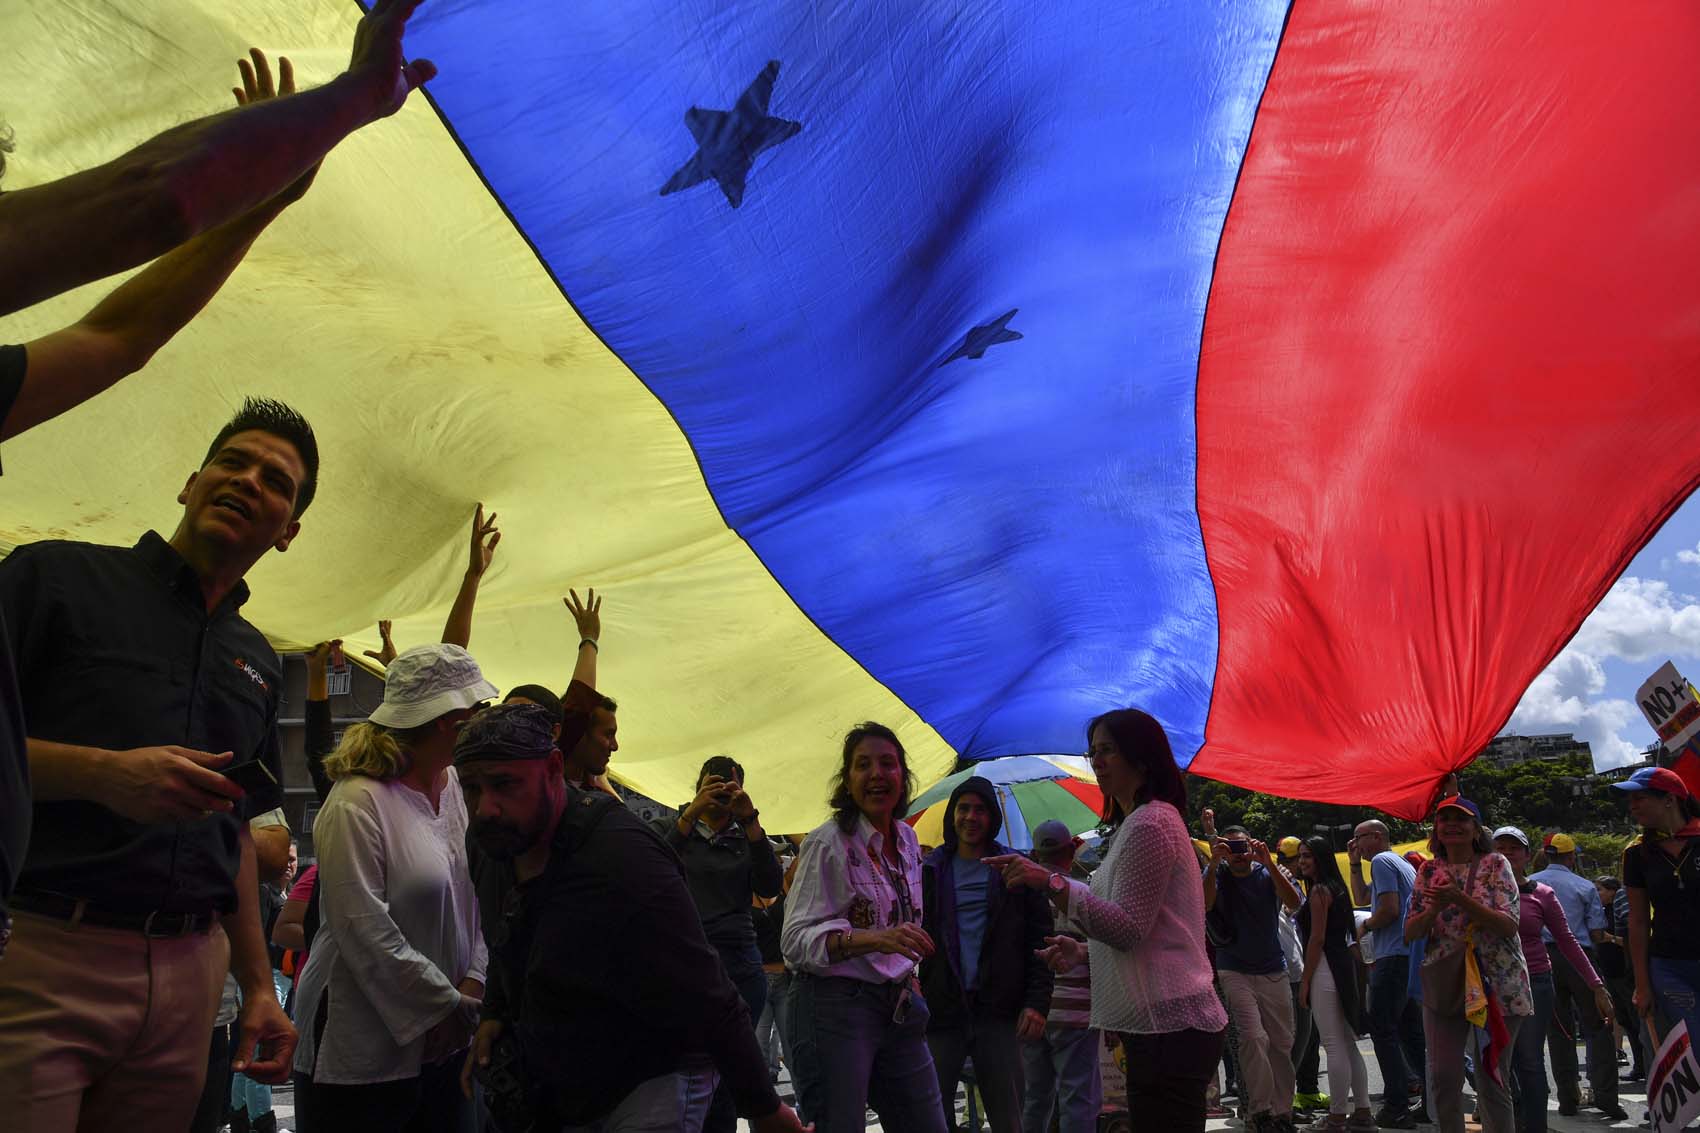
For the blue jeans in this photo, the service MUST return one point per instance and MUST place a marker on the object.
(1390, 1032)
(744, 966)
(852, 1053)
(669, 1103)
(771, 1030)
(1528, 1059)
(1061, 1071)
(1676, 991)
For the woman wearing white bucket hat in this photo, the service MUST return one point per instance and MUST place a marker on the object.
(391, 992)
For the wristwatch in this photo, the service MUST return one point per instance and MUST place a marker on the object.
(1056, 885)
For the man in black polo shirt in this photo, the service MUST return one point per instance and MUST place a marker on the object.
(197, 196)
(149, 700)
(613, 1011)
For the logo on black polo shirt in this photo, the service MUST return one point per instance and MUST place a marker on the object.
(253, 674)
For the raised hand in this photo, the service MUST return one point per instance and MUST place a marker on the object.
(588, 614)
(318, 665)
(387, 654)
(742, 806)
(319, 657)
(378, 61)
(714, 797)
(257, 86)
(484, 540)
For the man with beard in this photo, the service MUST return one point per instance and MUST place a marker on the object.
(606, 1009)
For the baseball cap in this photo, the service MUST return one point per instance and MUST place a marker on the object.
(1050, 838)
(428, 681)
(1511, 832)
(1459, 802)
(1289, 847)
(507, 731)
(1559, 843)
(1655, 779)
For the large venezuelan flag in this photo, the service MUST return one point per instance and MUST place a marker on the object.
(1302, 375)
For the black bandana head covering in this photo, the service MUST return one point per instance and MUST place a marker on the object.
(507, 731)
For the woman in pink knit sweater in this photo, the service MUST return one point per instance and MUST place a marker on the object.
(1143, 915)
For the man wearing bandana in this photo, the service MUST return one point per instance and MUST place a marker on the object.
(606, 1009)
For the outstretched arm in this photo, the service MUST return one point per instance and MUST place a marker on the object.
(125, 330)
(197, 176)
(458, 630)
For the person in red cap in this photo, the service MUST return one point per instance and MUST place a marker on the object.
(1661, 871)
(1466, 897)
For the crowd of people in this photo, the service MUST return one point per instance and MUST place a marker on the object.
(488, 937)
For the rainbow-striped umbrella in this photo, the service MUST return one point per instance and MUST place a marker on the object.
(1031, 789)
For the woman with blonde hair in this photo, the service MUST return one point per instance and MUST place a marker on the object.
(391, 991)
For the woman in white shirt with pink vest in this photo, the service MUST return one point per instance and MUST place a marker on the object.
(853, 937)
(1143, 915)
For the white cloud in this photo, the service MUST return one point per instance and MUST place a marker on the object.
(1692, 558)
(1640, 620)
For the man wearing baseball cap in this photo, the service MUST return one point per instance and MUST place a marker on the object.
(606, 1007)
(1572, 995)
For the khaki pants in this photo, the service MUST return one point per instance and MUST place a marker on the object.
(103, 1028)
(1262, 1007)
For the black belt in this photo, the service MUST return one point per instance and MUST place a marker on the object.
(154, 924)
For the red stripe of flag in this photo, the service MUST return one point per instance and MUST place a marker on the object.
(1448, 384)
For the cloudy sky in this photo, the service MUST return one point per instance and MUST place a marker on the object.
(1650, 616)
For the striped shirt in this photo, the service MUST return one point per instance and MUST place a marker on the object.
(1071, 992)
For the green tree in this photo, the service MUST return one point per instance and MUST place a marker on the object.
(1535, 796)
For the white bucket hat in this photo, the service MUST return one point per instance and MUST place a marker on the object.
(427, 681)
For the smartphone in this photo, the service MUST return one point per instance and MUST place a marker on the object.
(1239, 846)
(253, 776)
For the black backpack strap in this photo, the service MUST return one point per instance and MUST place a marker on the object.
(584, 812)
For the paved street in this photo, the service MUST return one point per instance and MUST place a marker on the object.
(1633, 1097)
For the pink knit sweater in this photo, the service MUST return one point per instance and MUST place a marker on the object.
(1143, 915)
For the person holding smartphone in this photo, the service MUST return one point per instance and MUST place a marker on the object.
(727, 859)
(853, 935)
(1246, 896)
(143, 684)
